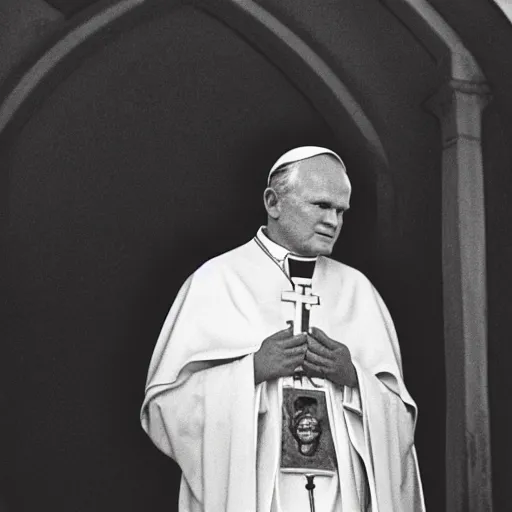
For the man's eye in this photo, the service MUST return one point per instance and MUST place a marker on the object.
(324, 206)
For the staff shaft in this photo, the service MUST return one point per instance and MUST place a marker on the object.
(310, 487)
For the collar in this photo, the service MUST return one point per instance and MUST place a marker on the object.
(276, 252)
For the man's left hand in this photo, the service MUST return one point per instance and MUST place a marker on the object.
(329, 359)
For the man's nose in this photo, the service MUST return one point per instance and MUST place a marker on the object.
(331, 218)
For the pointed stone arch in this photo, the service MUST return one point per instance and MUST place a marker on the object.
(294, 57)
(262, 29)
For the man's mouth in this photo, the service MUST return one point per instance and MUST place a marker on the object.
(330, 237)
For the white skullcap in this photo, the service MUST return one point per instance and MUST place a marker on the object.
(298, 154)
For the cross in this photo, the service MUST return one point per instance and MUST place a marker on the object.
(301, 274)
(304, 300)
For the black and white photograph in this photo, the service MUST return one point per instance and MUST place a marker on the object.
(256, 255)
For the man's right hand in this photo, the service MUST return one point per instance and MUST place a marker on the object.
(279, 355)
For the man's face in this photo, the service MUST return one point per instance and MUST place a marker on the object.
(310, 215)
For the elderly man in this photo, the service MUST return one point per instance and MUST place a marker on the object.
(277, 392)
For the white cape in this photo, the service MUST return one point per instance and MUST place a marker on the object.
(206, 414)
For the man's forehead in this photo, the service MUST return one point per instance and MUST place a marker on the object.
(322, 171)
(332, 195)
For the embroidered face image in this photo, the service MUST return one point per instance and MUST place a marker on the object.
(306, 427)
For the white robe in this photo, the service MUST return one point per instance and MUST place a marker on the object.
(203, 410)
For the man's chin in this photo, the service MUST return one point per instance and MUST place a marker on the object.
(325, 252)
(314, 249)
(320, 250)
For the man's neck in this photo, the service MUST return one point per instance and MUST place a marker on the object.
(275, 249)
(270, 233)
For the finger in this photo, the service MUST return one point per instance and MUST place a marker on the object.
(298, 340)
(295, 362)
(317, 348)
(296, 351)
(292, 353)
(292, 361)
(319, 361)
(312, 370)
(322, 338)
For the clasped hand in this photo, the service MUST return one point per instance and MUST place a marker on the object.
(319, 355)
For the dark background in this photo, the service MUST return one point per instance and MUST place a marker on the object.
(146, 153)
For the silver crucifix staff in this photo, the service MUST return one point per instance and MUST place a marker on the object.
(307, 446)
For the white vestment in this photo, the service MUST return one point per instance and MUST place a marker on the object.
(203, 409)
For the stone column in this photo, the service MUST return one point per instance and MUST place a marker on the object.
(459, 106)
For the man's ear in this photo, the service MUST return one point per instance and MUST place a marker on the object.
(271, 202)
